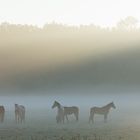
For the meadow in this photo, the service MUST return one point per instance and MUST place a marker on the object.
(123, 122)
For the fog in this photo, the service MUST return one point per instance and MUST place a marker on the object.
(61, 56)
(39, 108)
(83, 66)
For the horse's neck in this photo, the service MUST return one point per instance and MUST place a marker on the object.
(59, 106)
(16, 107)
(60, 109)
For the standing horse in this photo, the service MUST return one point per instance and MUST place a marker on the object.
(71, 110)
(101, 110)
(60, 112)
(65, 111)
(19, 113)
(2, 112)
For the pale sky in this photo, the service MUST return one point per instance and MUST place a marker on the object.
(72, 12)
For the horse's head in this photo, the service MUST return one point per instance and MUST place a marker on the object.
(113, 105)
(55, 104)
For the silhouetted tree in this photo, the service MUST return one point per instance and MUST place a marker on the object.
(128, 23)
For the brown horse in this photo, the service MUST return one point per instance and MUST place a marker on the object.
(19, 113)
(63, 112)
(71, 110)
(101, 110)
(2, 113)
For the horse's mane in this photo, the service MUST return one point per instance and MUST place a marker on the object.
(108, 104)
(58, 103)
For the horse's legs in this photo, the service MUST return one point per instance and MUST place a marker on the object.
(63, 119)
(92, 118)
(57, 119)
(2, 119)
(105, 118)
(67, 118)
(76, 115)
(89, 119)
(15, 117)
(23, 116)
(18, 118)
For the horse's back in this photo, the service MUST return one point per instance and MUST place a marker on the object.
(20, 109)
(76, 108)
(98, 110)
(72, 109)
(23, 108)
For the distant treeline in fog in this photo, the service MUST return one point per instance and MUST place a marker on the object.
(59, 55)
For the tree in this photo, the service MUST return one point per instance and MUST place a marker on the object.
(128, 23)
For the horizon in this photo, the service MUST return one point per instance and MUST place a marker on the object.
(80, 12)
(134, 22)
(115, 25)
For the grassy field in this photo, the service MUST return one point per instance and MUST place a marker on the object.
(47, 129)
(123, 122)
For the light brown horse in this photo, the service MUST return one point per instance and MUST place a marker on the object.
(63, 112)
(71, 110)
(19, 113)
(60, 112)
(2, 113)
(101, 110)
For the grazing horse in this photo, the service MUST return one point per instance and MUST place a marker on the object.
(19, 113)
(2, 112)
(65, 111)
(101, 110)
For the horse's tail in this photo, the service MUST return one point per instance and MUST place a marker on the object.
(76, 112)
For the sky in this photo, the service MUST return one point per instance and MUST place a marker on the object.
(35, 54)
(71, 12)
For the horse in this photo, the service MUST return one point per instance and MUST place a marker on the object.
(2, 113)
(19, 113)
(63, 112)
(60, 112)
(71, 110)
(101, 110)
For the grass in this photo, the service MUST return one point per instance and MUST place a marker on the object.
(71, 131)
